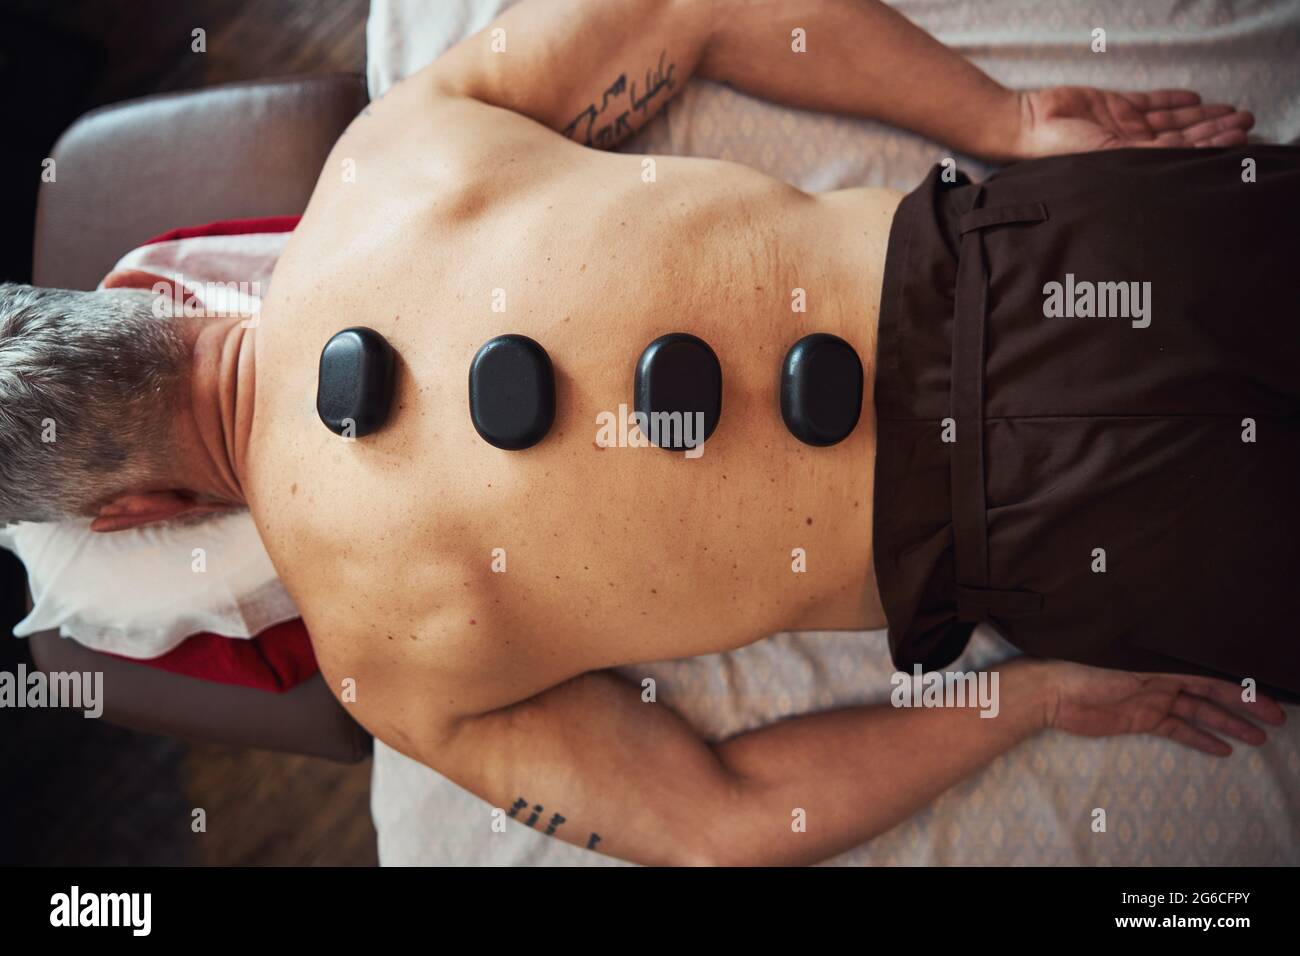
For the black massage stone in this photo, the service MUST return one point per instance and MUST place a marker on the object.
(679, 373)
(357, 369)
(821, 389)
(512, 392)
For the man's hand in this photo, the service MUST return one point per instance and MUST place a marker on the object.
(1079, 119)
(1095, 702)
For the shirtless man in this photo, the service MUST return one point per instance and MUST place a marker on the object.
(479, 174)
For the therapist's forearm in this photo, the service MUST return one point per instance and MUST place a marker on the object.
(861, 59)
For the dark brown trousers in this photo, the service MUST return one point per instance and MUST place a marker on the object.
(1121, 489)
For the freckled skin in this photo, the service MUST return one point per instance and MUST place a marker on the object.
(613, 555)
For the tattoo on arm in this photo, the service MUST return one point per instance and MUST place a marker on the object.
(554, 824)
(603, 124)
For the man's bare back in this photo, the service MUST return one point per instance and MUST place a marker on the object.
(612, 555)
(464, 601)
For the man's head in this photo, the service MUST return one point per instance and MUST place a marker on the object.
(90, 385)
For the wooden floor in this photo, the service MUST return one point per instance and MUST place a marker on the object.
(80, 792)
(76, 791)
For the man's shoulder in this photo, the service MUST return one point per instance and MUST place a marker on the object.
(417, 114)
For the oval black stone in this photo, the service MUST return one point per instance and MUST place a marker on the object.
(821, 389)
(355, 384)
(678, 373)
(512, 392)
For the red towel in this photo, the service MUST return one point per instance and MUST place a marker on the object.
(278, 659)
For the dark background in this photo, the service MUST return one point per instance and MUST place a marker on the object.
(77, 791)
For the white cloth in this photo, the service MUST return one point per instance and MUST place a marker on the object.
(1034, 805)
(139, 593)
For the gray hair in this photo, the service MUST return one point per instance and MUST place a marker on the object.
(87, 388)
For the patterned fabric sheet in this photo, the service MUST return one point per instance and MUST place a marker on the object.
(1033, 806)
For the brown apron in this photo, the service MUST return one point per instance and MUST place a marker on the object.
(1119, 489)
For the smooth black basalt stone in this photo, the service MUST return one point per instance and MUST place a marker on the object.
(357, 369)
(512, 392)
(821, 389)
(678, 372)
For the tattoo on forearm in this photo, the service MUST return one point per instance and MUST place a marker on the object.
(605, 123)
(555, 822)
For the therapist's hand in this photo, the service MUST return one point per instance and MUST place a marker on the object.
(1194, 711)
(1080, 119)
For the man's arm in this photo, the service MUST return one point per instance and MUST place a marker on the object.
(593, 71)
(598, 70)
(590, 763)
